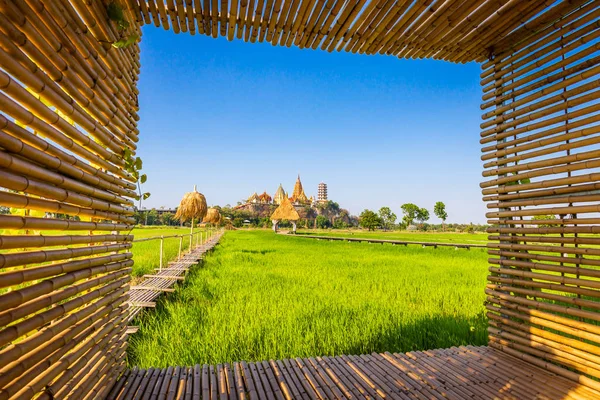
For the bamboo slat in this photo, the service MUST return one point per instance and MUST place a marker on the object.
(444, 29)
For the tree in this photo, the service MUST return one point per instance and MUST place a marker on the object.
(422, 216)
(544, 218)
(151, 217)
(410, 211)
(440, 211)
(167, 218)
(388, 218)
(322, 222)
(238, 222)
(368, 219)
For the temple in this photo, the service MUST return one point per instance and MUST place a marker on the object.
(298, 196)
(279, 195)
(259, 199)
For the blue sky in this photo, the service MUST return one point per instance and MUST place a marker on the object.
(235, 118)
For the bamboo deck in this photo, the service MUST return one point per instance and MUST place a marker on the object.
(394, 242)
(455, 373)
(146, 292)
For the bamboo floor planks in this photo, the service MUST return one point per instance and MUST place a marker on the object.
(456, 373)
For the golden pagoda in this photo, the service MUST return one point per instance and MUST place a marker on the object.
(279, 195)
(298, 196)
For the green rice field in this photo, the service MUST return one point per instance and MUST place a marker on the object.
(263, 296)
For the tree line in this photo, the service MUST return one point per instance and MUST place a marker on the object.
(386, 219)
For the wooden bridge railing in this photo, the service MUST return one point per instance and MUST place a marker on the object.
(199, 236)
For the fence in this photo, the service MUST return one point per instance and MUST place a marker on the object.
(200, 237)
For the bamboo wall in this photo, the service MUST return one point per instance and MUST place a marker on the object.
(541, 153)
(68, 105)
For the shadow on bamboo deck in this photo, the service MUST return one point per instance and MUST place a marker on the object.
(456, 373)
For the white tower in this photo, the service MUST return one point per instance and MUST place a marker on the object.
(322, 192)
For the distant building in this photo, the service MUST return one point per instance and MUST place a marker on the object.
(322, 192)
(279, 195)
(298, 196)
(265, 198)
(253, 199)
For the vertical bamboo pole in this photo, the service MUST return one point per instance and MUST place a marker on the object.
(180, 247)
(162, 239)
(191, 234)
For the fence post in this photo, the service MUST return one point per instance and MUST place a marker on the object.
(180, 246)
(190, 249)
(162, 239)
(197, 238)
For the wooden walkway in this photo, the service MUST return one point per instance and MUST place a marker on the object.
(395, 242)
(146, 292)
(456, 373)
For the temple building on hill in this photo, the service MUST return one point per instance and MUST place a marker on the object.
(265, 198)
(279, 195)
(253, 199)
(298, 196)
(259, 199)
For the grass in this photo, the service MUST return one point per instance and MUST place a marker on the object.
(264, 296)
(442, 237)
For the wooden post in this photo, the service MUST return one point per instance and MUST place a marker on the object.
(180, 247)
(162, 239)
(191, 234)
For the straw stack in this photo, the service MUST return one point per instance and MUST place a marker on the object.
(213, 216)
(285, 211)
(192, 207)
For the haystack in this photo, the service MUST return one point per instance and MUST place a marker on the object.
(192, 206)
(213, 216)
(285, 211)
